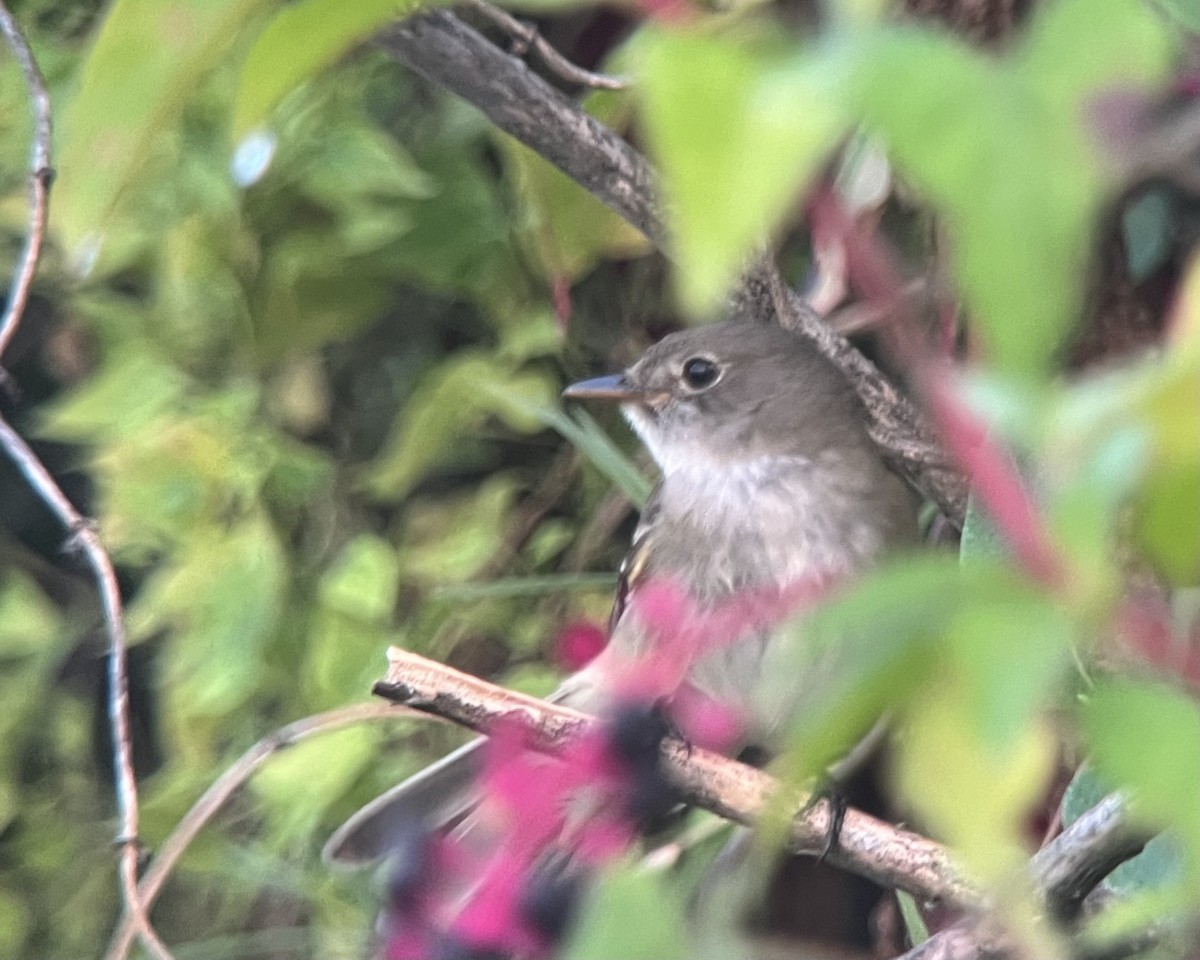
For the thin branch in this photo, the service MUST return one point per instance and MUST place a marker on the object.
(222, 789)
(442, 48)
(85, 538)
(83, 535)
(1069, 867)
(528, 38)
(867, 846)
(40, 175)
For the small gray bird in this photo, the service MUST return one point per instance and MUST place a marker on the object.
(768, 478)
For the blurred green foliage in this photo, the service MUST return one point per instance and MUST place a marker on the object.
(299, 320)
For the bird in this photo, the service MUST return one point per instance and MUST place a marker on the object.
(768, 476)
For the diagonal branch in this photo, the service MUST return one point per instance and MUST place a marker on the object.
(440, 47)
(1063, 873)
(867, 846)
(223, 788)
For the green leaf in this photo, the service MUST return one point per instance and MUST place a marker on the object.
(1185, 12)
(142, 69)
(326, 766)
(858, 656)
(1146, 226)
(363, 581)
(302, 39)
(449, 406)
(1003, 151)
(221, 599)
(972, 793)
(914, 923)
(736, 134)
(1146, 737)
(631, 915)
(567, 228)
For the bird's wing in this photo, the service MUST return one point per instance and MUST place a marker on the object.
(636, 564)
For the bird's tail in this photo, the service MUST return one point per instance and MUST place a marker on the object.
(435, 797)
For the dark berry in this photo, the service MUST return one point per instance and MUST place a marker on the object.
(636, 733)
(551, 899)
(652, 799)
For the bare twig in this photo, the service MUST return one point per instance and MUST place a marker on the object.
(442, 48)
(40, 175)
(217, 795)
(890, 856)
(528, 38)
(439, 46)
(83, 535)
(85, 538)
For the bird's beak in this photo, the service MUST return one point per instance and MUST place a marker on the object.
(615, 386)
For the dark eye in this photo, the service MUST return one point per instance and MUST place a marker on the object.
(700, 372)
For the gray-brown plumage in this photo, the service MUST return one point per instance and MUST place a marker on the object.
(768, 478)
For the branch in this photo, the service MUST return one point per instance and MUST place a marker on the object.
(446, 51)
(896, 425)
(85, 538)
(83, 535)
(1064, 873)
(889, 856)
(526, 37)
(217, 795)
(40, 175)
(440, 47)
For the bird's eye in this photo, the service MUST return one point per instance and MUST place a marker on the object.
(700, 372)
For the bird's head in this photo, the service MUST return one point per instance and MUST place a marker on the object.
(721, 395)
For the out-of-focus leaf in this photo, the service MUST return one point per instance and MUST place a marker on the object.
(131, 390)
(1168, 528)
(632, 915)
(325, 767)
(857, 657)
(450, 538)
(977, 795)
(28, 620)
(567, 228)
(222, 598)
(1019, 127)
(363, 581)
(171, 43)
(300, 40)
(14, 922)
(453, 403)
(1139, 424)
(736, 133)
(1146, 737)
(1013, 649)
(1185, 12)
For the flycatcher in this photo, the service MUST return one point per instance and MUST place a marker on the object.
(769, 479)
